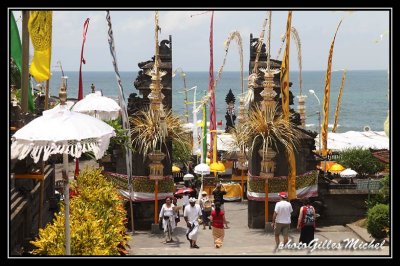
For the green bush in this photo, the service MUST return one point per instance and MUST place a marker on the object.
(97, 220)
(383, 194)
(361, 161)
(378, 224)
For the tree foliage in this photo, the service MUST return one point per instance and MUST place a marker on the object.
(181, 152)
(361, 161)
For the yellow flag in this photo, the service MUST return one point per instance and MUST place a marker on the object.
(324, 130)
(291, 173)
(285, 110)
(40, 26)
(285, 71)
(338, 103)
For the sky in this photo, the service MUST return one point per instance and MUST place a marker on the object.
(356, 46)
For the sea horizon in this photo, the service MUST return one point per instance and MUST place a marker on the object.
(365, 94)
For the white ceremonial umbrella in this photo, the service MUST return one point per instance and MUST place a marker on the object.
(69, 105)
(99, 106)
(188, 177)
(348, 173)
(202, 169)
(62, 131)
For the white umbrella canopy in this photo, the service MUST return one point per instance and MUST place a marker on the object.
(202, 168)
(348, 173)
(61, 131)
(69, 105)
(99, 106)
(188, 177)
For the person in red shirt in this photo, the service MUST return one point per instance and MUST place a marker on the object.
(217, 219)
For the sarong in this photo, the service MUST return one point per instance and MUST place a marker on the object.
(192, 232)
(218, 234)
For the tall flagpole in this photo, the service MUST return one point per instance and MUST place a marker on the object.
(213, 122)
(125, 120)
(195, 141)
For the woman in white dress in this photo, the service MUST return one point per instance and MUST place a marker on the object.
(167, 218)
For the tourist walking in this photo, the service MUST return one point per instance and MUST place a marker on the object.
(218, 221)
(206, 207)
(191, 215)
(167, 218)
(306, 222)
(281, 218)
(177, 214)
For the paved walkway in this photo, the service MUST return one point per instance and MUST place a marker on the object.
(242, 241)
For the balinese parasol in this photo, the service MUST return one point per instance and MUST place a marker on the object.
(349, 173)
(336, 168)
(99, 106)
(175, 169)
(202, 169)
(188, 177)
(62, 131)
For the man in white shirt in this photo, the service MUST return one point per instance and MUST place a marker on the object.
(185, 199)
(191, 215)
(281, 218)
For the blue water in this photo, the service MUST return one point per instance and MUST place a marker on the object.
(364, 100)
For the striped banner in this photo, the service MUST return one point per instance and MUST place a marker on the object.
(338, 103)
(327, 91)
(140, 196)
(122, 101)
(306, 192)
(306, 186)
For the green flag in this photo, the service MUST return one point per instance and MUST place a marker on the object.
(204, 134)
(16, 54)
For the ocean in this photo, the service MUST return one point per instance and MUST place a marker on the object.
(364, 101)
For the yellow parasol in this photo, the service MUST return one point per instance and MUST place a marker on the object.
(336, 168)
(175, 169)
(217, 167)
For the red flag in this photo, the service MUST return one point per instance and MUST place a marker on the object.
(85, 28)
(213, 125)
(80, 91)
